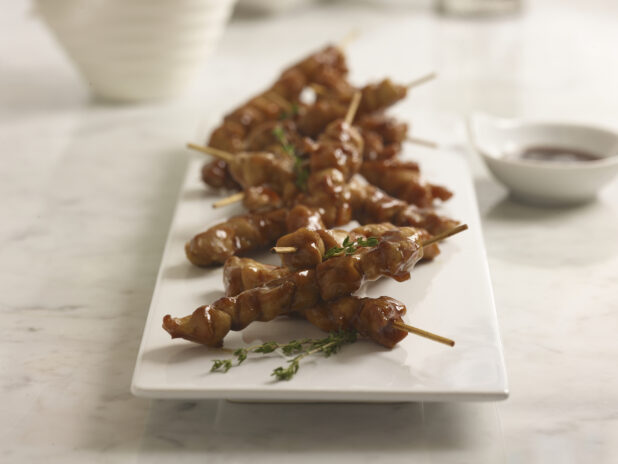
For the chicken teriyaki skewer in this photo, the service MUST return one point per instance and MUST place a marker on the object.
(393, 256)
(305, 248)
(242, 274)
(363, 202)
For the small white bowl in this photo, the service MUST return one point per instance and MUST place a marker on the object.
(132, 50)
(545, 182)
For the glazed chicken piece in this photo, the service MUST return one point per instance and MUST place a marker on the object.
(254, 169)
(383, 136)
(372, 205)
(373, 318)
(264, 137)
(314, 119)
(381, 95)
(248, 232)
(402, 179)
(332, 103)
(240, 274)
(339, 147)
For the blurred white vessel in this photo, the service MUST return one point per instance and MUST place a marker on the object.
(269, 6)
(132, 50)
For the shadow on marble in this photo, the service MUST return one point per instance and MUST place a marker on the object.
(509, 209)
(495, 203)
(175, 354)
(27, 94)
(30, 95)
(307, 432)
(546, 237)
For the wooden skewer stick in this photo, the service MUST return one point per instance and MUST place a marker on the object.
(424, 142)
(229, 200)
(236, 197)
(350, 37)
(223, 155)
(421, 80)
(443, 235)
(283, 249)
(349, 117)
(424, 333)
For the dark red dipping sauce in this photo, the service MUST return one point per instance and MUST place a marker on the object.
(555, 154)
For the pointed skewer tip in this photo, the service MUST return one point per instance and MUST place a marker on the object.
(350, 37)
(229, 200)
(215, 152)
(423, 142)
(446, 234)
(422, 80)
(424, 333)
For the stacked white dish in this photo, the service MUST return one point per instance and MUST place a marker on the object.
(133, 50)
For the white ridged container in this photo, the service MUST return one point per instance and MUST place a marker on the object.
(134, 50)
(269, 6)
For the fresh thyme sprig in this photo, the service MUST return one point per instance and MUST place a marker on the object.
(241, 354)
(328, 346)
(301, 348)
(283, 140)
(300, 168)
(349, 247)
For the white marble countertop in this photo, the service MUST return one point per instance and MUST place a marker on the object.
(87, 192)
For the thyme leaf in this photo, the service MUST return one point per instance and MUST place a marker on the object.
(350, 247)
(289, 115)
(224, 365)
(328, 346)
(221, 364)
(300, 167)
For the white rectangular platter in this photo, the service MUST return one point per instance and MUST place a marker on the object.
(451, 296)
